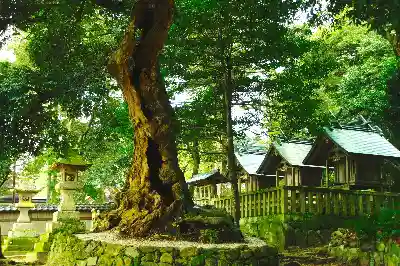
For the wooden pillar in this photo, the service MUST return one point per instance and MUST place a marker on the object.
(277, 178)
(327, 174)
(292, 177)
(240, 185)
(347, 177)
(298, 177)
(285, 179)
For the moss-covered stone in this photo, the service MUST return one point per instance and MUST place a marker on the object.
(113, 249)
(147, 249)
(149, 263)
(128, 261)
(166, 258)
(132, 252)
(188, 252)
(70, 250)
(91, 261)
(211, 261)
(119, 262)
(246, 253)
(197, 260)
(167, 249)
(148, 257)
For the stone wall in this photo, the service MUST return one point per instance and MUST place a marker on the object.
(354, 256)
(283, 231)
(74, 250)
(38, 219)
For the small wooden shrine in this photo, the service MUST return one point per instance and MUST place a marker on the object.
(284, 163)
(204, 186)
(248, 164)
(355, 153)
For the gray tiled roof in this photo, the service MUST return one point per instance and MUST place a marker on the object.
(250, 161)
(293, 152)
(358, 141)
(203, 176)
(52, 207)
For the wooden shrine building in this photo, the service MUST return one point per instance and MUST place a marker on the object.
(284, 162)
(204, 186)
(248, 163)
(356, 153)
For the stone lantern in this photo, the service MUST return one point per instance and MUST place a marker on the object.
(23, 227)
(68, 183)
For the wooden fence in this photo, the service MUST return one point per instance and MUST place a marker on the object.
(300, 200)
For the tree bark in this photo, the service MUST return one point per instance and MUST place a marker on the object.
(155, 191)
(229, 133)
(196, 157)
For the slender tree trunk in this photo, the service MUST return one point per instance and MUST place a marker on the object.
(230, 147)
(155, 191)
(196, 157)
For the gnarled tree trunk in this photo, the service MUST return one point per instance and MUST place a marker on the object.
(155, 190)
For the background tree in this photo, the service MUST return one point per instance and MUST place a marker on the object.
(219, 45)
(343, 71)
(382, 16)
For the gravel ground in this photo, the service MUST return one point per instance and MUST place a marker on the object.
(114, 238)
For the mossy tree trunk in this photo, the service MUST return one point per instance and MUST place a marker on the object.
(155, 191)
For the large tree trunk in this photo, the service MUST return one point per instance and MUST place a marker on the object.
(155, 191)
(230, 147)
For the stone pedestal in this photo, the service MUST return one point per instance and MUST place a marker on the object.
(23, 227)
(68, 183)
(67, 207)
(23, 234)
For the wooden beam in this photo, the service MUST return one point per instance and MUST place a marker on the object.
(327, 173)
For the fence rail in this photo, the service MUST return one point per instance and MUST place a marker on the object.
(300, 200)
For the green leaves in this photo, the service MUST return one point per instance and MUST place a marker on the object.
(344, 70)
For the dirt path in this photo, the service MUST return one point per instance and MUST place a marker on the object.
(307, 257)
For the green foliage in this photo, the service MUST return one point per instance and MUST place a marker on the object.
(208, 40)
(69, 226)
(379, 227)
(344, 70)
(208, 236)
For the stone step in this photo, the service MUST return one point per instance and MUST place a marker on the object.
(12, 253)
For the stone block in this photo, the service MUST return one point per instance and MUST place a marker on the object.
(81, 263)
(128, 261)
(222, 262)
(313, 239)
(246, 253)
(149, 263)
(132, 252)
(197, 260)
(188, 252)
(166, 258)
(148, 257)
(230, 254)
(211, 262)
(300, 238)
(91, 261)
(113, 249)
(147, 249)
(167, 249)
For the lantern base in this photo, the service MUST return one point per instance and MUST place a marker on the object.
(23, 230)
(65, 215)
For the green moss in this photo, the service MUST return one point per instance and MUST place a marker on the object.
(166, 258)
(70, 226)
(197, 260)
(209, 236)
